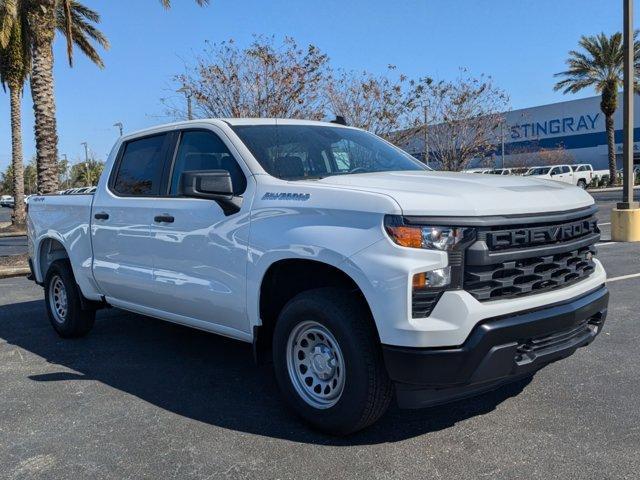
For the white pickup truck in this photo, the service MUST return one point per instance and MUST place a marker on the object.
(354, 268)
(578, 175)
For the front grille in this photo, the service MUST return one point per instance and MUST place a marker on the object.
(529, 259)
(530, 275)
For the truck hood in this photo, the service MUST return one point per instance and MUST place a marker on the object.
(466, 194)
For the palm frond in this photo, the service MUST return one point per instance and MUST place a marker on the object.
(8, 16)
(77, 25)
(597, 63)
(85, 12)
(15, 51)
(68, 27)
(167, 3)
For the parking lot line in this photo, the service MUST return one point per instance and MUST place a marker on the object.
(623, 277)
(607, 223)
(604, 244)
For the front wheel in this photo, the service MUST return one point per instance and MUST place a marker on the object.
(62, 299)
(328, 362)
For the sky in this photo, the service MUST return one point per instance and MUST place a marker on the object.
(520, 43)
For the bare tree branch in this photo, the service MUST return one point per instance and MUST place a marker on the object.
(264, 80)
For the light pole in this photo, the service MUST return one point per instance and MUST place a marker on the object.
(66, 170)
(86, 161)
(187, 93)
(426, 136)
(119, 126)
(625, 219)
(502, 142)
(627, 149)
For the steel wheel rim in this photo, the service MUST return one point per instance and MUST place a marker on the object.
(58, 299)
(315, 364)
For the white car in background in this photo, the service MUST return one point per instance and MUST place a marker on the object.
(7, 201)
(499, 171)
(583, 171)
(508, 171)
(564, 174)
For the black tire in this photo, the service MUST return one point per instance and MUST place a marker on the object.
(367, 390)
(76, 321)
(582, 184)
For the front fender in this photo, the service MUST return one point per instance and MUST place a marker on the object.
(258, 267)
(302, 233)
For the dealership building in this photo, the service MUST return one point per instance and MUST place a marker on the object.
(577, 126)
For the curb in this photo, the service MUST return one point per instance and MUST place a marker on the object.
(12, 234)
(14, 272)
(608, 189)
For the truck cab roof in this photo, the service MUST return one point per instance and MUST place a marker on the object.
(230, 122)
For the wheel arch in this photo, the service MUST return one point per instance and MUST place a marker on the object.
(48, 250)
(51, 247)
(287, 277)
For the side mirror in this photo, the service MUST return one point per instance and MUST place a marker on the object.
(214, 185)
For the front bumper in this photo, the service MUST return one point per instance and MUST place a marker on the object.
(498, 350)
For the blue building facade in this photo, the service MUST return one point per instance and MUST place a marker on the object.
(577, 126)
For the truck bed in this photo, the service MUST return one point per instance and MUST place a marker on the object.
(66, 218)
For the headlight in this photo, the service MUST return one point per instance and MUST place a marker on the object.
(434, 237)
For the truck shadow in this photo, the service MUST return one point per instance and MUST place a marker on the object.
(204, 377)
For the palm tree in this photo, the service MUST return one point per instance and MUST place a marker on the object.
(15, 64)
(87, 173)
(76, 23)
(599, 65)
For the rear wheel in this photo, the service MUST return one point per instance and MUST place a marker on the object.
(62, 299)
(328, 361)
(582, 184)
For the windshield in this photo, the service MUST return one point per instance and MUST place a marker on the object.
(538, 171)
(298, 152)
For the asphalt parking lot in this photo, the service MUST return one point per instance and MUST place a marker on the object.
(5, 215)
(13, 245)
(140, 398)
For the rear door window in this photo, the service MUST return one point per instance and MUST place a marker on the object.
(140, 168)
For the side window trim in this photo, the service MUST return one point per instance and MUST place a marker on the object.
(118, 162)
(170, 161)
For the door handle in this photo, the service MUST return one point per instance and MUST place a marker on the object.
(163, 219)
(101, 216)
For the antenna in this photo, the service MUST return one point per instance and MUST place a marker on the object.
(339, 120)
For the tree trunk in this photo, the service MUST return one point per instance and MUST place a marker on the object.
(42, 21)
(15, 92)
(611, 144)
